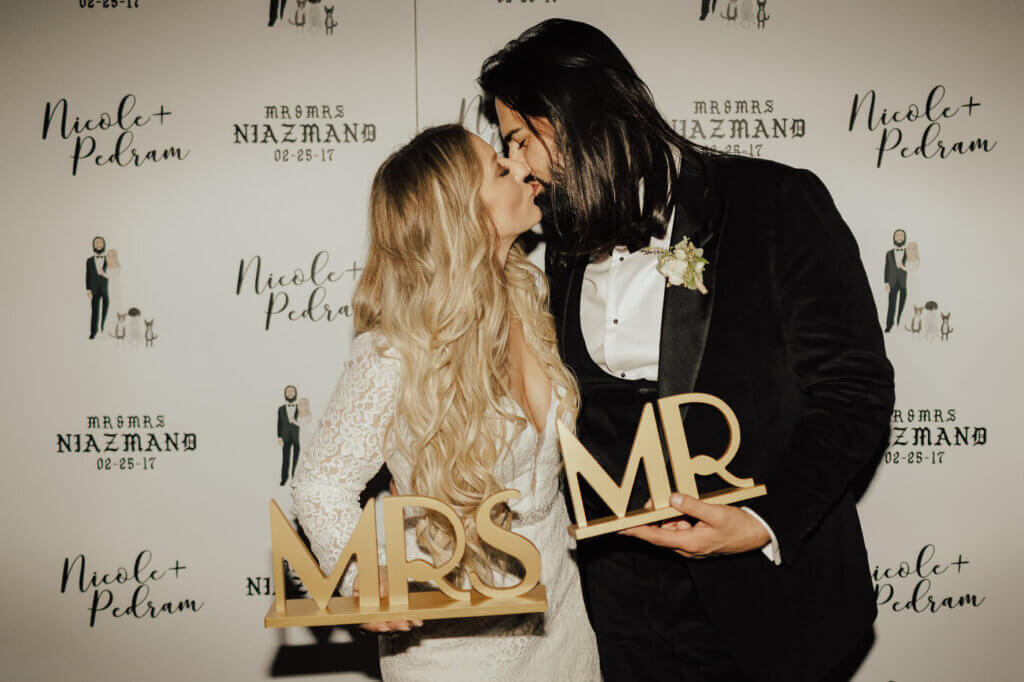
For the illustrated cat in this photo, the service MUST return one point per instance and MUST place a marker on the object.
(762, 13)
(931, 320)
(300, 14)
(730, 12)
(945, 329)
(329, 21)
(914, 325)
(150, 336)
(118, 331)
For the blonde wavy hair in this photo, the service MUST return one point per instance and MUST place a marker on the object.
(432, 285)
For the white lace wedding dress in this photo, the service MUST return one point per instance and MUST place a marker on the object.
(348, 449)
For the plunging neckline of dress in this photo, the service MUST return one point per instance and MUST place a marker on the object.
(552, 399)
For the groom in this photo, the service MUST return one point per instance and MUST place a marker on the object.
(96, 286)
(896, 278)
(786, 334)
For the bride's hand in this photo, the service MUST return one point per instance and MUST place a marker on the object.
(389, 625)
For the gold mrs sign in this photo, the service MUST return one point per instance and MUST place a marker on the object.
(647, 449)
(400, 604)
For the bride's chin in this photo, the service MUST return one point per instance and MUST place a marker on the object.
(528, 228)
(523, 230)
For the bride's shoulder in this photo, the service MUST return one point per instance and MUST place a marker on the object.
(375, 348)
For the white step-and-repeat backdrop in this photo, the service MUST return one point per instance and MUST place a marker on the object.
(223, 153)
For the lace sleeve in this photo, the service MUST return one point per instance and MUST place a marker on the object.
(347, 450)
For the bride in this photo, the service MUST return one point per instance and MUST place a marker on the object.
(454, 383)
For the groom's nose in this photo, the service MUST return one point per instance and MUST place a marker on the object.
(515, 153)
(519, 169)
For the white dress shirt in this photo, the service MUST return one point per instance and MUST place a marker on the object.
(900, 256)
(620, 311)
(620, 315)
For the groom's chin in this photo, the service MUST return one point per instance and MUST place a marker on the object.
(552, 206)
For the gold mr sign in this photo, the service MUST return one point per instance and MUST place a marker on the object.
(647, 449)
(400, 604)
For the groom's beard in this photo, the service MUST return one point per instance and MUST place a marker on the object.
(564, 233)
(556, 216)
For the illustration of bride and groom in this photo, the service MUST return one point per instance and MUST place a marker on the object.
(466, 354)
(129, 326)
(903, 289)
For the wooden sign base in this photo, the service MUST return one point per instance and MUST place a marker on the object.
(431, 605)
(641, 517)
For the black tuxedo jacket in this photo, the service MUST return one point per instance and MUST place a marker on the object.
(894, 275)
(788, 336)
(285, 429)
(93, 281)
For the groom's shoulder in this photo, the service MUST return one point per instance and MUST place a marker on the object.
(727, 170)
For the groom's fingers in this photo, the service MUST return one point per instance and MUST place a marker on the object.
(695, 539)
(653, 534)
(711, 514)
(692, 541)
(682, 538)
(676, 524)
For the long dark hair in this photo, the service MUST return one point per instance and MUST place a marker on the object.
(608, 132)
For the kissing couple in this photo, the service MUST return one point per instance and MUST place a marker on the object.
(466, 354)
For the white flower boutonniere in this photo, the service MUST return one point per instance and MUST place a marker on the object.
(682, 264)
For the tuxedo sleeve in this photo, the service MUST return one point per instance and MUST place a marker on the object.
(835, 349)
(281, 422)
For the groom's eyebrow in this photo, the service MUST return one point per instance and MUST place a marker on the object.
(505, 140)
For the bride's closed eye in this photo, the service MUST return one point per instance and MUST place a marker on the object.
(503, 166)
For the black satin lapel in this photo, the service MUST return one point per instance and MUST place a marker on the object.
(574, 285)
(686, 314)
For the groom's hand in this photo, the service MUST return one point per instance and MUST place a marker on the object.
(716, 529)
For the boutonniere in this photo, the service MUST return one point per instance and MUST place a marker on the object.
(682, 264)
